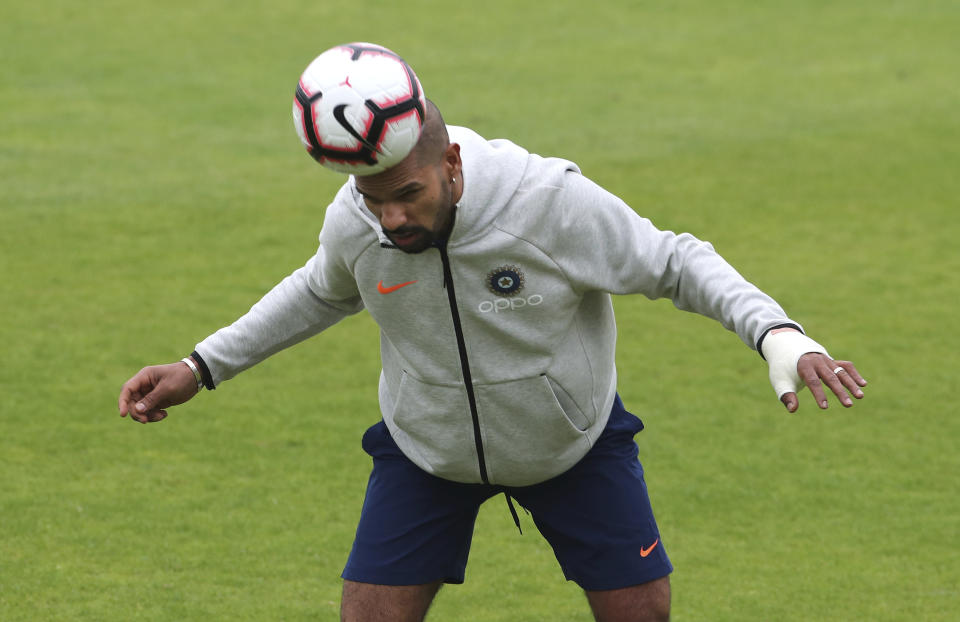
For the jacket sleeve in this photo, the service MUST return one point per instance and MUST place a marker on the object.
(313, 298)
(620, 252)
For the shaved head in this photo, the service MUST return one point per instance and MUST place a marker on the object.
(415, 200)
(433, 142)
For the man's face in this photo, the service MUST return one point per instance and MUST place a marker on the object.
(414, 203)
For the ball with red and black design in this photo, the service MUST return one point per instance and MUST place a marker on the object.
(358, 108)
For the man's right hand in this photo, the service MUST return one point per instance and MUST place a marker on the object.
(146, 396)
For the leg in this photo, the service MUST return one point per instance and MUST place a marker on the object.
(366, 602)
(647, 602)
(414, 534)
(598, 519)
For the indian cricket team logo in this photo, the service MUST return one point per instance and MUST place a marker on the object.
(505, 281)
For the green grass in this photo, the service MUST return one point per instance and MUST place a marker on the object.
(152, 188)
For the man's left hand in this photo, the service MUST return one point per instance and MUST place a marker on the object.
(816, 370)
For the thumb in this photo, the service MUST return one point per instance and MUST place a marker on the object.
(785, 380)
(789, 400)
(783, 352)
(149, 401)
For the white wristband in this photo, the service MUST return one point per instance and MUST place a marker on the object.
(196, 372)
(783, 351)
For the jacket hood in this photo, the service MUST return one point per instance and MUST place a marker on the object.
(492, 172)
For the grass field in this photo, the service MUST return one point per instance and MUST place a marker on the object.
(152, 188)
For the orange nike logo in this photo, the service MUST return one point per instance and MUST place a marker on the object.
(390, 290)
(646, 551)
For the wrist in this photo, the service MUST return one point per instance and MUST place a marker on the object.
(205, 375)
(785, 327)
(195, 369)
(783, 330)
(782, 352)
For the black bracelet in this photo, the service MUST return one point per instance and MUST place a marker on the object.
(204, 371)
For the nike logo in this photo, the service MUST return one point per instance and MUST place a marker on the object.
(389, 290)
(341, 118)
(646, 551)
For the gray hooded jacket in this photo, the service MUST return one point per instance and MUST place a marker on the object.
(498, 351)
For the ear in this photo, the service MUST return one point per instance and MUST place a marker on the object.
(451, 161)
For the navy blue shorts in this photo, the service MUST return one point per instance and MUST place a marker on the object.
(416, 528)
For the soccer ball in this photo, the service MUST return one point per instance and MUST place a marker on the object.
(358, 108)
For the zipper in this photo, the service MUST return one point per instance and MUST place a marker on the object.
(464, 363)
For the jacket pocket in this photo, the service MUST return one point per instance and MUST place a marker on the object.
(576, 417)
(531, 432)
(432, 425)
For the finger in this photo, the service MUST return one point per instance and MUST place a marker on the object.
(815, 370)
(848, 381)
(140, 406)
(790, 401)
(830, 378)
(811, 377)
(853, 375)
(157, 415)
(149, 402)
(126, 404)
(126, 400)
(152, 416)
(133, 390)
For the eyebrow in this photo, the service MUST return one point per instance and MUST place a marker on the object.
(411, 187)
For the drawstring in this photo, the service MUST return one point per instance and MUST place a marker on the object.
(513, 511)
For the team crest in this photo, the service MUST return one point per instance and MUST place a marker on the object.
(505, 281)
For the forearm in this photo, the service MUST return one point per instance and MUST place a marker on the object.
(608, 247)
(705, 283)
(286, 315)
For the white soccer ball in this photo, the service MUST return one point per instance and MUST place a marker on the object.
(358, 108)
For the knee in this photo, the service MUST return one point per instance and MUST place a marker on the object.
(658, 611)
(647, 602)
(654, 609)
(363, 602)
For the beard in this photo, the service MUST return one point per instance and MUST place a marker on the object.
(412, 240)
(416, 239)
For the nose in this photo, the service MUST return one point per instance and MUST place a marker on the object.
(393, 216)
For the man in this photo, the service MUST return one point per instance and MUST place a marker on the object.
(489, 271)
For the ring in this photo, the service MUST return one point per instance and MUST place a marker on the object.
(838, 370)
